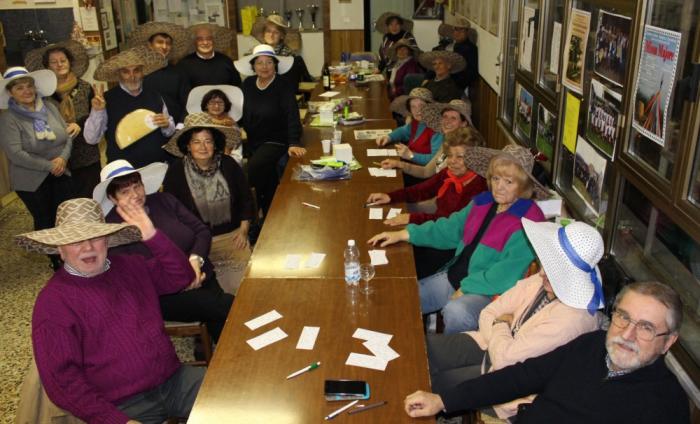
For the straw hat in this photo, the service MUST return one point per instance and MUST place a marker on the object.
(179, 35)
(290, 37)
(381, 25)
(77, 220)
(480, 157)
(222, 36)
(570, 256)
(445, 29)
(400, 104)
(432, 113)
(455, 60)
(234, 94)
(35, 58)
(223, 136)
(415, 50)
(150, 60)
(244, 67)
(152, 176)
(44, 82)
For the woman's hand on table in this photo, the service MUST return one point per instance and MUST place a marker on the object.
(423, 404)
(400, 219)
(73, 129)
(296, 151)
(388, 237)
(391, 164)
(379, 198)
(403, 151)
(383, 140)
(59, 166)
(240, 236)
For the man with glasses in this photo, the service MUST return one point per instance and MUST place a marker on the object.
(613, 377)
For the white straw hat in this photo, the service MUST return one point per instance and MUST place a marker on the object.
(569, 256)
(244, 67)
(152, 176)
(44, 82)
(234, 94)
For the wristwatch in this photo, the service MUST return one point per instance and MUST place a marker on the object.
(199, 259)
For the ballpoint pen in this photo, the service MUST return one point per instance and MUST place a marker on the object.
(371, 204)
(303, 370)
(366, 407)
(340, 411)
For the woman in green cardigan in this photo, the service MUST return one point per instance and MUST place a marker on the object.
(492, 252)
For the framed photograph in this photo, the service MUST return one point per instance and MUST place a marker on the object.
(546, 134)
(528, 29)
(657, 74)
(575, 50)
(611, 52)
(603, 120)
(589, 172)
(523, 112)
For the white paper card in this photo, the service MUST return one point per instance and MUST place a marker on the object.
(329, 94)
(364, 334)
(378, 257)
(292, 262)
(263, 319)
(366, 361)
(315, 260)
(307, 339)
(381, 350)
(376, 213)
(379, 172)
(267, 339)
(393, 212)
(550, 208)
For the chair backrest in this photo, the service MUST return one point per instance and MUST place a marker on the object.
(411, 81)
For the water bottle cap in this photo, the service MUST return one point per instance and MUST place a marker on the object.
(351, 242)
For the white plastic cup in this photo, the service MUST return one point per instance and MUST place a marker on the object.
(326, 147)
(337, 136)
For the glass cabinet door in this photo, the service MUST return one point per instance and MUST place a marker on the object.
(551, 46)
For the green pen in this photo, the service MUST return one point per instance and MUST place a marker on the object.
(303, 370)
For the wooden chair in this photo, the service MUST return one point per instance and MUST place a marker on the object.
(192, 329)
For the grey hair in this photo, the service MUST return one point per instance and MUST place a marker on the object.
(664, 294)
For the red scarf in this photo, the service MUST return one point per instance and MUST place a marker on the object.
(422, 143)
(458, 182)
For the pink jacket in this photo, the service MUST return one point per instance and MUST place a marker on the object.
(554, 325)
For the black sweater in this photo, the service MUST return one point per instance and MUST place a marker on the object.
(572, 387)
(270, 115)
(217, 70)
(173, 87)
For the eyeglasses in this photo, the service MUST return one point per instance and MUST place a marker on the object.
(58, 62)
(645, 330)
(215, 103)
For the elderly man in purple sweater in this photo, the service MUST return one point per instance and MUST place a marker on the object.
(98, 335)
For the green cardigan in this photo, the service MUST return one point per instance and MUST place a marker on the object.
(503, 254)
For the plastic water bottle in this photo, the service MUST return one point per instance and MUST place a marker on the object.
(352, 264)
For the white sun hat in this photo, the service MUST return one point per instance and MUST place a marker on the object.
(44, 82)
(570, 256)
(234, 94)
(152, 176)
(244, 67)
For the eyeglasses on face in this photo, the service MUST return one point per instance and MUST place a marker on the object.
(645, 330)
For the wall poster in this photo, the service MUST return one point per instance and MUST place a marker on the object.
(657, 73)
(602, 126)
(523, 112)
(612, 47)
(575, 49)
(546, 133)
(528, 28)
(589, 171)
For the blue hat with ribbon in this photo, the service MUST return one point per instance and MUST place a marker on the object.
(569, 256)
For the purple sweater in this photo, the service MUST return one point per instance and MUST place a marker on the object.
(100, 340)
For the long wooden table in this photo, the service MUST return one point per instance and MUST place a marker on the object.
(247, 386)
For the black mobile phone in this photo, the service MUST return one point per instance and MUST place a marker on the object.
(346, 389)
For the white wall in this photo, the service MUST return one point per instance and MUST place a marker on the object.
(348, 15)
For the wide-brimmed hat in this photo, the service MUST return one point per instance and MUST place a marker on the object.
(570, 256)
(141, 55)
(382, 26)
(244, 67)
(480, 157)
(222, 36)
(181, 38)
(77, 220)
(456, 61)
(446, 29)
(234, 94)
(290, 37)
(403, 43)
(223, 135)
(44, 82)
(35, 58)
(400, 104)
(152, 176)
(432, 113)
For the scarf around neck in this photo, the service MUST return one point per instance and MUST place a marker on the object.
(65, 94)
(39, 116)
(457, 182)
(210, 191)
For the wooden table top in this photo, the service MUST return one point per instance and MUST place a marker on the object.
(247, 386)
(292, 228)
(374, 101)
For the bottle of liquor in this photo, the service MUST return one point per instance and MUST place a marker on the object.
(326, 77)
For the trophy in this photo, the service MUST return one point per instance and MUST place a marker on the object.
(288, 17)
(300, 15)
(313, 9)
